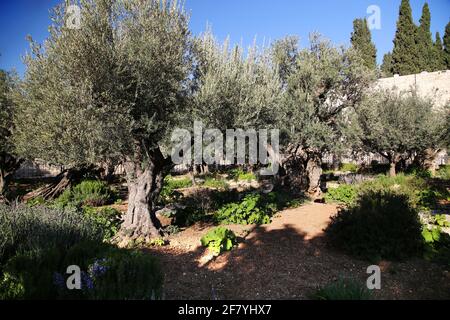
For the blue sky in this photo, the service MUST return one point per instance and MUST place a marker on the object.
(242, 20)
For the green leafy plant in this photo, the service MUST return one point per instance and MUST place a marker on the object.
(343, 289)
(419, 172)
(436, 242)
(158, 242)
(444, 172)
(169, 193)
(177, 183)
(87, 193)
(219, 240)
(251, 210)
(171, 229)
(349, 167)
(240, 175)
(108, 219)
(92, 193)
(381, 225)
(345, 194)
(216, 183)
(36, 201)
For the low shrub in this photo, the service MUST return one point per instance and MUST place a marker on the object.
(219, 240)
(443, 172)
(106, 273)
(418, 172)
(345, 194)
(437, 242)
(410, 186)
(87, 193)
(251, 210)
(349, 167)
(127, 275)
(343, 289)
(38, 244)
(381, 225)
(177, 183)
(108, 219)
(23, 229)
(92, 193)
(169, 193)
(215, 183)
(171, 229)
(240, 175)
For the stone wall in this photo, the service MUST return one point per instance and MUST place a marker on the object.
(435, 85)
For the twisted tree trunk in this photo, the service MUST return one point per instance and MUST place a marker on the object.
(314, 172)
(145, 177)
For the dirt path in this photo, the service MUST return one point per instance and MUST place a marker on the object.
(287, 259)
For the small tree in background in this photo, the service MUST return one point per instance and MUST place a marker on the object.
(425, 49)
(324, 81)
(447, 45)
(404, 55)
(233, 90)
(439, 54)
(361, 39)
(109, 90)
(399, 125)
(9, 162)
(386, 66)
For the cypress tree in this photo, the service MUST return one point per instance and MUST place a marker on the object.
(404, 55)
(439, 57)
(362, 41)
(425, 49)
(386, 66)
(447, 45)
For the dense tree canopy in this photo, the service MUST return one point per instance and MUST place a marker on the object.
(439, 54)
(447, 45)
(386, 66)
(109, 89)
(324, 81)
(8, 161)
(398, 125)
(425, 49)
(362, 42)
(234, 90)
(404, 55)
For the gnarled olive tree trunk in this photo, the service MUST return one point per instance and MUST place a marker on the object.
(145, 177)
(314, 172)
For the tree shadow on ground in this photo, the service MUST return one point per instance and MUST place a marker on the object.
(286, 264)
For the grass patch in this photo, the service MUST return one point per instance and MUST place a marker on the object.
(343, 289)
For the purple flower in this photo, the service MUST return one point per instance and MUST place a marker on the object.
(98, 268)
(58, 280)
(86, 281)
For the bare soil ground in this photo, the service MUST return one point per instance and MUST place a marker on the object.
(287, 259)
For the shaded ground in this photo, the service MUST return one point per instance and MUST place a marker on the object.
(287, 259)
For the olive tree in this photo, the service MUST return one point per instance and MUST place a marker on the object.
(400, 125)
(322, 82)
(8, 160)
(110, 89)
(233, 90)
